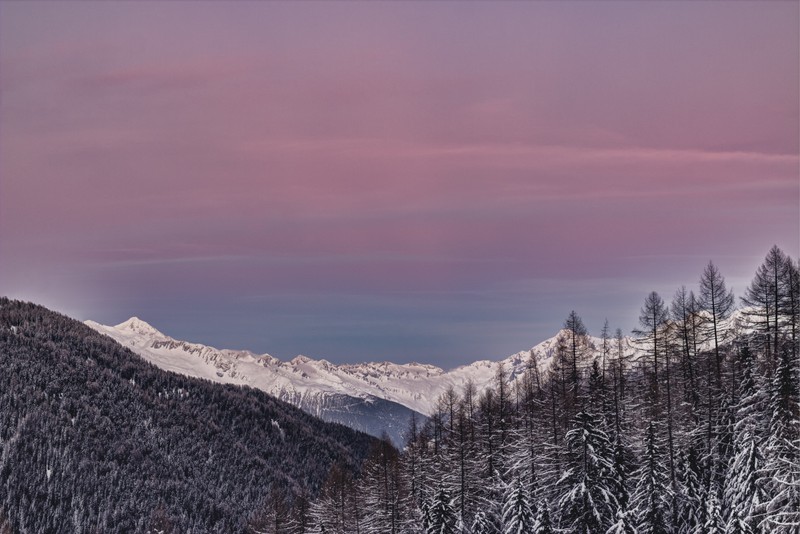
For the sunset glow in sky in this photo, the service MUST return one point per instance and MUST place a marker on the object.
(406, 181)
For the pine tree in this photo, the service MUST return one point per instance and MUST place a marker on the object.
(620, 473)
(385, 498)
(623, 525)
(442, 515)
(334, 508)
(543, 523)
(652, 494)
(482, 525)
(518, 517)
(426, 516)
(745, 491)
(783, 448)
(783, 511)
(714, 523)
(587, 502)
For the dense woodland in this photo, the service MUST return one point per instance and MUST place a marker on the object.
(95, 439)
(696, 431)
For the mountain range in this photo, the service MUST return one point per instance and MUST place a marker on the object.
(373, 397)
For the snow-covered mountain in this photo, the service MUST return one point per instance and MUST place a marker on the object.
(373, 397)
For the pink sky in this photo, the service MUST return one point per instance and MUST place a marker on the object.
(414, 181)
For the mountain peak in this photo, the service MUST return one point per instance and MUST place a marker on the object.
(134, 324)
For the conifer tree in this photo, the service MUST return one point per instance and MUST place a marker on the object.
(620, 473)
(623, 525)
(385, 500)
(769, 302)
(652, 493)
(482, 524)
(543, 523)
(717, 301)
(682, 317)
(588, 503)
(691, 500)
(783, 448)
(518, 517)
(577, 340)
(597, 393)
(442, 514)
(714, 523)
(745, 491)
(653, 321)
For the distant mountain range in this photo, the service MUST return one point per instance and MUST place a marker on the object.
(371, 397)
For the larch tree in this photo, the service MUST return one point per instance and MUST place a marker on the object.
(653, 321)
(681, 315)
(771, 303)
(577, 340)
(717, 301)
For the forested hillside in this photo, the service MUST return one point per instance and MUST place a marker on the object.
(94, 439)
(699, 432)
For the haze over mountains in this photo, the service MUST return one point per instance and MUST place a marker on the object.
(374, 397)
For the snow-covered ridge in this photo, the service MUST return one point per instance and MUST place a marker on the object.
(414, 385)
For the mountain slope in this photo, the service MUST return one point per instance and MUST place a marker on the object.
(313, 386)
(94, 439)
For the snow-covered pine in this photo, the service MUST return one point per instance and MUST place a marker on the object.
(482, 525)
(652, 492)
(714, 523)
(442, 515)
(518, 515)
(745, 484)
(587, 502)
(691, 493)
(624, 524)
(543, 523)
(782, 512)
